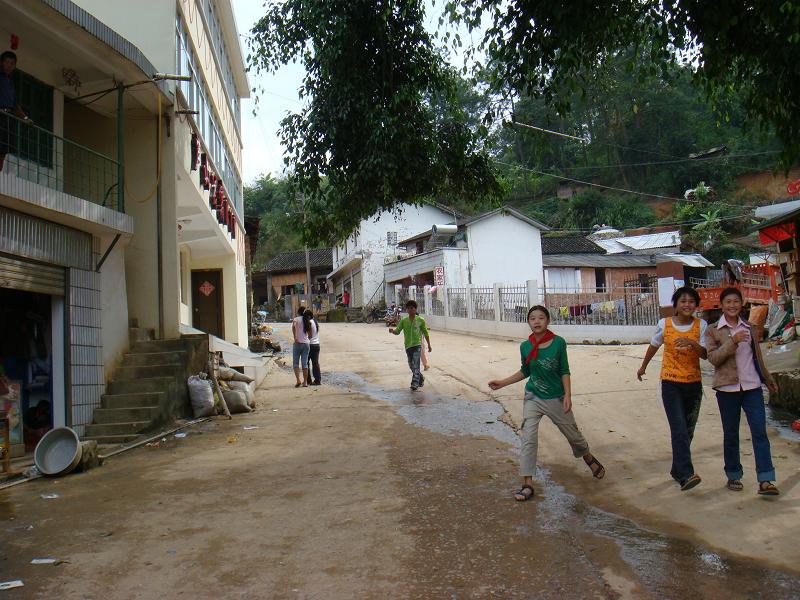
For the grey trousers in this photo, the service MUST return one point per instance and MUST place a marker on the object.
(533, 409)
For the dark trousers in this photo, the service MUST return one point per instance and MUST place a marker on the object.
(731, 405)
(413, 355)
(682, 406)
(313, 359)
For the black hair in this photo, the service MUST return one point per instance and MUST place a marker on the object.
(685, 291)
(730, 291)
(307, 317)
(301, 311)
(541, 308)
(411, 304)
(311, 316)
(8, 54)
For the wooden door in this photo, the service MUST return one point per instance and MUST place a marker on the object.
(207, 313)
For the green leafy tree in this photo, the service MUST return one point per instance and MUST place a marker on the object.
(381, 124)
(743, 51)
(269, 199)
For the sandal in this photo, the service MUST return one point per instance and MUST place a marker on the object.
(521, 492)
(690, 482)
(600, 471)
(734, 485)
(767, 488)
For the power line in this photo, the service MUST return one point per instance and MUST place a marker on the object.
(678, 160)
(673, 224)
(612, 188)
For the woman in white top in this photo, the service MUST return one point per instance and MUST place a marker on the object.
(301, 331)
(313, 356)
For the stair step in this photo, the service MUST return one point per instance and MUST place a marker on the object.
(113, 440)
(144, 385)
(139, 400)
(129, 428)
(157, 346)
(128, 373)
(147, 359)
(108, 416)
(139, 334)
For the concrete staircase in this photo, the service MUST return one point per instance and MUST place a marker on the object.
(148, 389)
(354, 315)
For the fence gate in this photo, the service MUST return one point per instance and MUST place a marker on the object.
(641, 300)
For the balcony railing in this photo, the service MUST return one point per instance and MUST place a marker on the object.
(37, 155)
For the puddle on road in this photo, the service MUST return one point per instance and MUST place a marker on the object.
(666, 567)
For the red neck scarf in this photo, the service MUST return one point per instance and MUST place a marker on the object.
(548, 335)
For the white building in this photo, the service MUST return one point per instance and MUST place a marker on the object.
(358, 262)
(501, 246)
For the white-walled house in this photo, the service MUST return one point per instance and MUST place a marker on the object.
(500, 246)
(358, 263)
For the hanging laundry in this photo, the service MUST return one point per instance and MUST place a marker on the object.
(563, 311)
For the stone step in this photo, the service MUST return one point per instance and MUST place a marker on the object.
(129, 373)
(103, 429)
(109, 441)
(147, 359)
(103, 416)
(157, 346)
(140, 400)
(140, 386)
(139, 334)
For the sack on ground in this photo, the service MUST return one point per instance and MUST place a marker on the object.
(228, 374)
(236, 401)
(201, 396)
(242, 386)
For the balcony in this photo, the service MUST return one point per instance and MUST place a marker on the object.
(39, 156)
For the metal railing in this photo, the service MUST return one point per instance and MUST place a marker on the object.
(483, 303)
(514, 303)
(628, 305)
(457, 302)
(420, 298)
(38, 155)
(437, 305)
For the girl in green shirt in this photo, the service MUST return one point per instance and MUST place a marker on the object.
(547, 393)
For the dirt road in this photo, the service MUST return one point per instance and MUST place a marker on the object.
(361, 489)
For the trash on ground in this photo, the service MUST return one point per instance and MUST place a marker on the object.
(180, 435)
(232, 439)
(153, 444)
(50, 496)
(249, 427)
(46, 561)
(10, 585)
(796, 425)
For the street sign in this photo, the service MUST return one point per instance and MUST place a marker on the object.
(438, 276)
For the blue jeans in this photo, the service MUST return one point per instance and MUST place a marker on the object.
(300, 355)
(682, 405)
(413, 354)
(313, 359)
(731, 405)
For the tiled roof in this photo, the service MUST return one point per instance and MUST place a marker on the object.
(569, 244)
(319, 258)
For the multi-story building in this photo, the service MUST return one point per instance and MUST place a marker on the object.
(121, 202)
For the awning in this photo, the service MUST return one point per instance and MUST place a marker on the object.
(355, 258)
(776, 233)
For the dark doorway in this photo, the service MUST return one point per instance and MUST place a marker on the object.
(207, 302)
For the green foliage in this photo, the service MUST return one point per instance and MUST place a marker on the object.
(744, 53)
(382, 122)
(584, 210)
(269, 199)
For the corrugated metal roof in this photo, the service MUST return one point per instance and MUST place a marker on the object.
(598, 260)
(689, 260)
(652, 240)
(611, 246)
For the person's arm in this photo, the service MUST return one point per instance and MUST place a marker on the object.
(496, 384)
(648, 356)
(567, 383)
(294, 334)
(427, 336)
(398, 329)
(718, 352)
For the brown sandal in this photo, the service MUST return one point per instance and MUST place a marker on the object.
(600, 471)
(767, 488)
(734, 485)
(521, 492)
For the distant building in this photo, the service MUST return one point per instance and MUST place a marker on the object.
(285, 274)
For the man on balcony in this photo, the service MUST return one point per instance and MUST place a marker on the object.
(8, 104)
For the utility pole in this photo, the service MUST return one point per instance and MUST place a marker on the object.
(308, 276)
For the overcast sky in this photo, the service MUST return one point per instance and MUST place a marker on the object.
(263, 152)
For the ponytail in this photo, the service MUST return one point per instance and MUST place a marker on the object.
(307, 316)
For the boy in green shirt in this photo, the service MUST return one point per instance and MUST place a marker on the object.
(413, 327)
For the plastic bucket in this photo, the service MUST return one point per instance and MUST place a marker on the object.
(58, 452)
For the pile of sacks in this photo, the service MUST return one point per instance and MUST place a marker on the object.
(236, 387)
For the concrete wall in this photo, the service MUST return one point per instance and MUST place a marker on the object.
(148, 24)
(234, 294)
(504, 249)
(370, 240)
(573, 334)
(115, 305)
(617, 277)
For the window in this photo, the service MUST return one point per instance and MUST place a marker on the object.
(36, 99)
(600, 279)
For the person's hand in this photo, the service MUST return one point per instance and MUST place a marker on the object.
(567, 403)
(495, 385)
(684, 342)
(640, 372)
(773, 387)
(391, 329)
(429, 348)
(740, 336)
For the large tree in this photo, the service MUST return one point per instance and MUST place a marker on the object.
(382, 123)
(743, 50)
